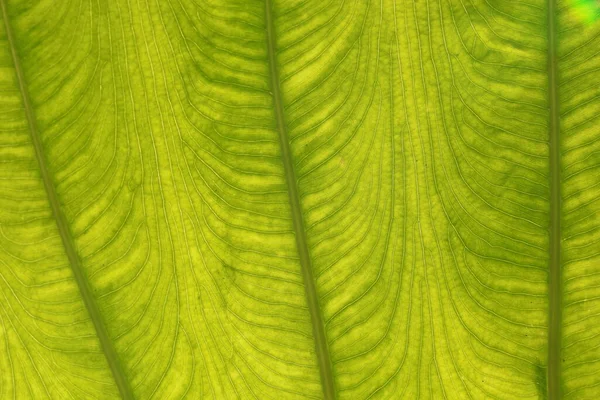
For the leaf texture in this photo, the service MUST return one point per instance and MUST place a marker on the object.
(298, 199)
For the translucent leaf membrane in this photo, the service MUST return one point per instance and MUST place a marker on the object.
(580, 106)
(419, 136)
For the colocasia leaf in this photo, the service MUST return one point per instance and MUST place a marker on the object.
(287, 199)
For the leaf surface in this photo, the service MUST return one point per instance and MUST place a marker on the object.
(299, 199)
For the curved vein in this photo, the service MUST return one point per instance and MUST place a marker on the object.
(554, 281)
(316, 315)
(61, 222)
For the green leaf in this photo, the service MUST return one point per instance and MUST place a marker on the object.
(300, 199)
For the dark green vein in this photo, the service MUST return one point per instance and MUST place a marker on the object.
(61, 222)
(316, 317)
(554, 280)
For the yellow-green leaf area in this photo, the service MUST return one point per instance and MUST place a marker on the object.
(287, 199)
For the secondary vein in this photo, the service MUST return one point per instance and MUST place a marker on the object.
(555, 275)
(321, 346)
(61, 222)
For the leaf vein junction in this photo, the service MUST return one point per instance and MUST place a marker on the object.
(321, 346)
(61, 222)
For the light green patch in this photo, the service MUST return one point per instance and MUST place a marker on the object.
(587, 11)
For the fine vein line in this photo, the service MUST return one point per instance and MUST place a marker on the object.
(316, 316)
(61, 222)
(555, 274)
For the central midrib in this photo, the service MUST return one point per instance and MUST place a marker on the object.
(555, 276)
(321, 346)
(61, 222)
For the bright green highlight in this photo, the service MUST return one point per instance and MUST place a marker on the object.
(586, 10)
(374, 199)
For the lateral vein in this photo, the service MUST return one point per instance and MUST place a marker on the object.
(316, 316)
(61, 222)
(555, 274)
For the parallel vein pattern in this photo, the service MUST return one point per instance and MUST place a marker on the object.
(554, 375)
(321, 346)
(158, 125)
(50, 345)
(418, 133)
(63, 229)
(579, 90)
